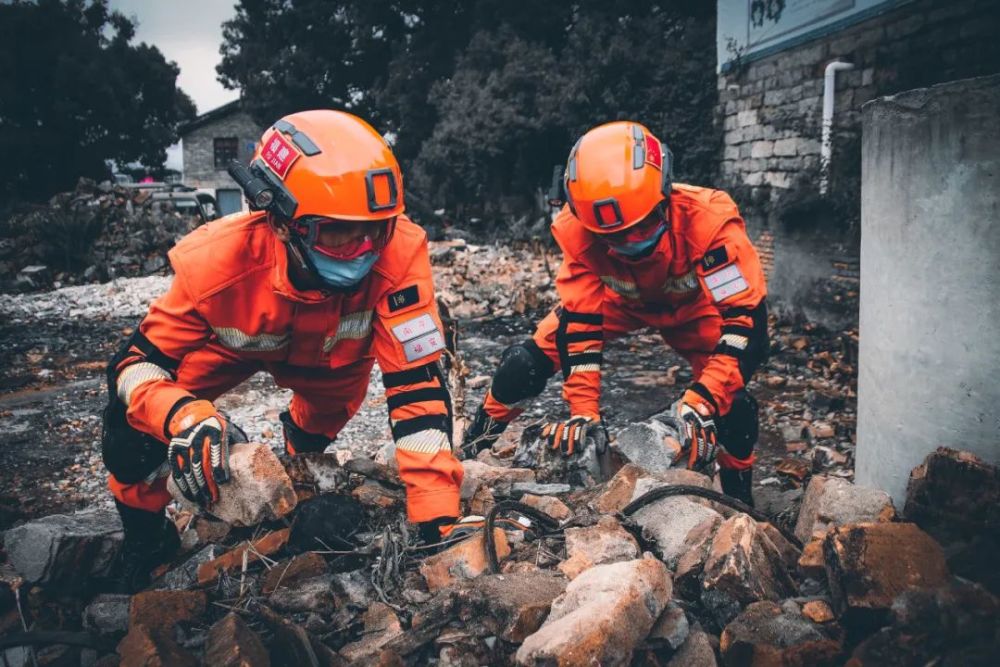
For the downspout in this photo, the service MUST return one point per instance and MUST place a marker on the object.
(826, 148)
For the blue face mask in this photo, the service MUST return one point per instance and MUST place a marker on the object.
(342, 272)
(638, 248)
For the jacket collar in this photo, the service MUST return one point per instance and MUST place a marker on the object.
(281, 281)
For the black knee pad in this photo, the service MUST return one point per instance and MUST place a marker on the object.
(738, 429)
(130, 455)
(524, 370)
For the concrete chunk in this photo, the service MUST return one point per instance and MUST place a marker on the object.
(65, 548)
(668, 521)
(606, 542)
(651, 445)
(602, 616)
(260, 489)
(465, 560)
(743, 566)
(834, 501)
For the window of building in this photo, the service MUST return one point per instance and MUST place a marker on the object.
(226, 149)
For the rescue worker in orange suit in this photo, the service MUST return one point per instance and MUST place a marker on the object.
(324, 276)
(641, 251)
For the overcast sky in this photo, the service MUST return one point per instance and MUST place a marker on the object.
(188, 32)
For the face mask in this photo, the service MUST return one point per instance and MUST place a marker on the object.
(637, 248)
(342, 272)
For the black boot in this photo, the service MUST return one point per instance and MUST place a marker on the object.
(482, 434)
(150, 539)
(737, 484)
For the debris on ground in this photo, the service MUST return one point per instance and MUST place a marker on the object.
(341, 580)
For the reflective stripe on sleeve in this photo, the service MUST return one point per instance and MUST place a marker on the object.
(136, 374)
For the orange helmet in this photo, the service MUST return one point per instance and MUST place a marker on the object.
(323, 163)
(616, 174)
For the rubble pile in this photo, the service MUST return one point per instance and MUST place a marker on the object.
(478, 281)
(333, 576)
(96, 232)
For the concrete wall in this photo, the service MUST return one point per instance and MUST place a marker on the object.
(771, 109)
(199, 151)
(929, 364)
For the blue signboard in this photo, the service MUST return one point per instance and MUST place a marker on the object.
(753, 29)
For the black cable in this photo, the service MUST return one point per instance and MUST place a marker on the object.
(710, 494)
(545, 522)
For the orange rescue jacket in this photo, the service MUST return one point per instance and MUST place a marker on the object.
(703, 266)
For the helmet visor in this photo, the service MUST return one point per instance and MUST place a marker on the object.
(343, 240)
(639, 232)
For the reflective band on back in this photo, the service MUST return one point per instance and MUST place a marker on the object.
(353, 326)
(136, 374)
(236, 340)
(428, 441)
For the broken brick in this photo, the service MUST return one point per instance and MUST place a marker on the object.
(142, 647)
(162, 610)
(293, 570)
(381, 627)
(554, 507)
(619, 489)
(233, 559)
(231, 643)
(371, 493)
(812, 563)
(465, 560)
(605, 542)
(869, 564)
(954, 493)
(481, 502)
(765, 634)
(817, 611)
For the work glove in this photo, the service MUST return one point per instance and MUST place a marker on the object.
(199, 451)
(700, 438)
(571, 435)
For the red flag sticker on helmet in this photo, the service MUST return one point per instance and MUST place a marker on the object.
(279, 154)
(654, 155)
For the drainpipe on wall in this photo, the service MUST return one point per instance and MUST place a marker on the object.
(826, 149)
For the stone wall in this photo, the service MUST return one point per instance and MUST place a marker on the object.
(771, 110)
(199, 150)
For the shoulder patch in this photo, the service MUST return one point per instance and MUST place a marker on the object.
(714, 258)
(405, 297)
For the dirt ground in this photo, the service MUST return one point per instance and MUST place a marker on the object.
(54, 345)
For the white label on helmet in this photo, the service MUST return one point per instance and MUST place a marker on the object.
(410, 329)
(418, 348)
(726, 282)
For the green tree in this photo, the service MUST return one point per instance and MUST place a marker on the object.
(483, 97)
(75, 94)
